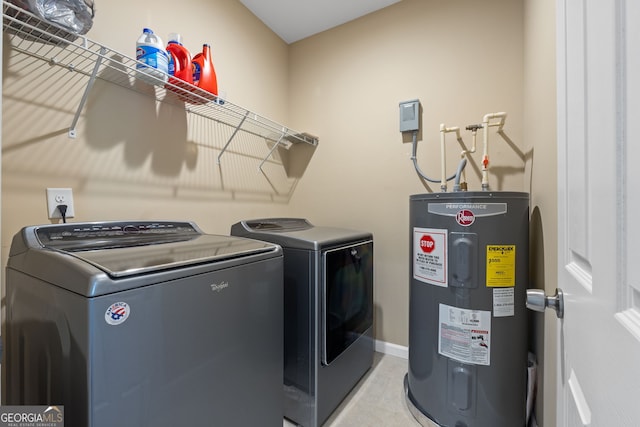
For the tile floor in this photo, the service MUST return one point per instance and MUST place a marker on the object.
(377, 400)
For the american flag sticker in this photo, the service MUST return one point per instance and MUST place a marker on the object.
(117, 313)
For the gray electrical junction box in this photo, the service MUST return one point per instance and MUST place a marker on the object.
(410, 115)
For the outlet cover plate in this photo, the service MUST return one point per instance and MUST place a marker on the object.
(59, 196)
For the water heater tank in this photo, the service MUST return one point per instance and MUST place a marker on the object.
(467, 314)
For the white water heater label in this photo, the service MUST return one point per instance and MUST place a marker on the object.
(430, 256)
(503, 302)
(465, 335)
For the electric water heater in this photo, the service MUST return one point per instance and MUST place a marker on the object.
(467, 314)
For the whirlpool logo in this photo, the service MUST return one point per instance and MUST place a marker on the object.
(31, 416)
(217, 287)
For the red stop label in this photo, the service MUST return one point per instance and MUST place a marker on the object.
(427, 244)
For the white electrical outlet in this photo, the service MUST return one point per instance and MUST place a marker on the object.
(56, 197)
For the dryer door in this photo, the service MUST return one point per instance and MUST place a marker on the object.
(347, 290)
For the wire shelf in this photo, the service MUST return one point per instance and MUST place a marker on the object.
(56, 46)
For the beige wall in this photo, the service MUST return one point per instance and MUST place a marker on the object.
(134, 159)
(462, 59)
(540, 139)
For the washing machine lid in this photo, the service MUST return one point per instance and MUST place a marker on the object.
(123, 249)
(297, 233)
(278, 225)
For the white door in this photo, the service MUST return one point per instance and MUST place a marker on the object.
(599, 212)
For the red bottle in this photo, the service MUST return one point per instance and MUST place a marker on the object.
(204, 74)
(180, 59)
(180, 70)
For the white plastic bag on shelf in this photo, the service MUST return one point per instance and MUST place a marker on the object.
(75, 16)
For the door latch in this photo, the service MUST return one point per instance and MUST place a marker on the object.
(538, 301)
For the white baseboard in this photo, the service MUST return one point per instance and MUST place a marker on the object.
(392, 349)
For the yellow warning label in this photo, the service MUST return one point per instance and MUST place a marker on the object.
(501, 266)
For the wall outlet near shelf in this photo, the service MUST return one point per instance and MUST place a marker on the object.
(56, 197)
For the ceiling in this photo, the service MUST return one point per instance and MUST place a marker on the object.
(295, 20)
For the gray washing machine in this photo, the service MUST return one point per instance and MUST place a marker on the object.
(144, 324)
(328, 312)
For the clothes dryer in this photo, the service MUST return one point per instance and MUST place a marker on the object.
(328, 312)
(144, 324)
